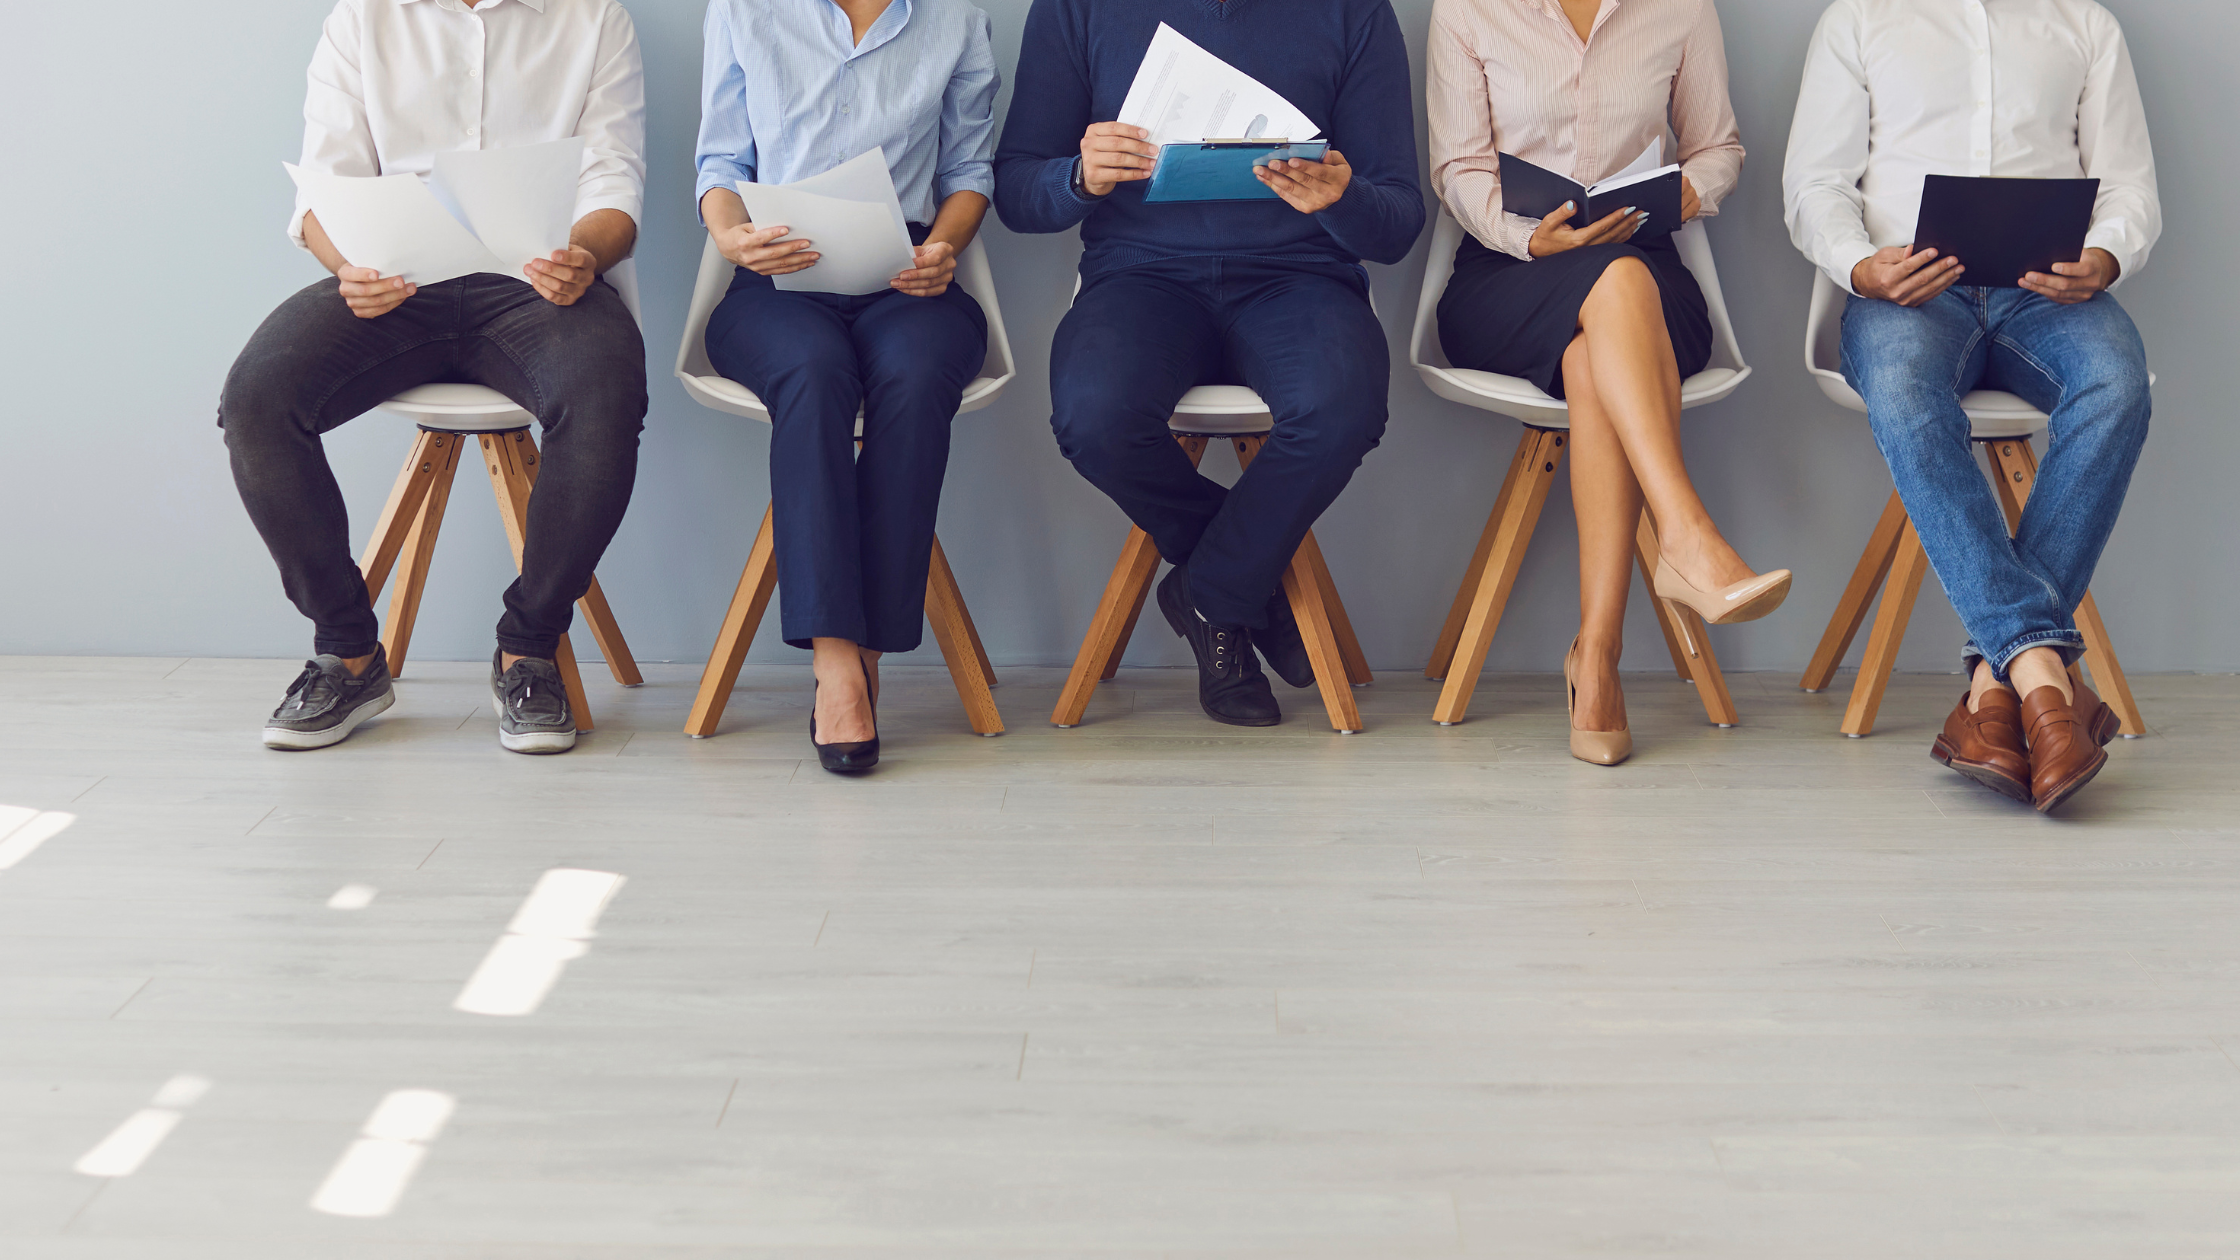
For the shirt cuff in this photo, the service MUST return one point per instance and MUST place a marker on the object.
(984, 184)
(1515, 233)
(2113, 239)
(628, 203)
(1847, 256)
(295, 226)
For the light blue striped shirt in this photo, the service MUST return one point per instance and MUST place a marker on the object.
(786, 94)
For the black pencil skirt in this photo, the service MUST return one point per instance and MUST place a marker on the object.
(1505, 314)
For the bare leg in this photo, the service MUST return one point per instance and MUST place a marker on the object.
(843, 693)
(1606, 497)
(2038, 667)
(1638, 383)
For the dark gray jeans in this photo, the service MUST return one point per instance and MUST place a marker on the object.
(312, 366)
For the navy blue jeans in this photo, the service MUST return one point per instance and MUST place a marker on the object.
(312, 366)
(854, 533)
(2085, 367)
(1301, 334)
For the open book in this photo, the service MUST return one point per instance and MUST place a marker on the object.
(1536, 192)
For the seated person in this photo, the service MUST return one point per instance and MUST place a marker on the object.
(789, 91)
(1609, 323)
(558, 340)
(1897, 90)
(1266, 293)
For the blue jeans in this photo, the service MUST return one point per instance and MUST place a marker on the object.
(854, 534)
(1301, 334)
(2085, 367)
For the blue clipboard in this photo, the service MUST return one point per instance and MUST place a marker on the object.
(1221, 170)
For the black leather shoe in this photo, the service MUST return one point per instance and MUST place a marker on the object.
(1231, 687)
(852, 758)
(1282, 644)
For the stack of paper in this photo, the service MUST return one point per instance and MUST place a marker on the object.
(1183, 94)
(480, 210)
(853, 219)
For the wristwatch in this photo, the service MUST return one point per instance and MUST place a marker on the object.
(1080, 189)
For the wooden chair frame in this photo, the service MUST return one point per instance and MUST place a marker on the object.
(413, 516)
(945, 612)
(1460, 654)
(1339, 665)
(1894, 564)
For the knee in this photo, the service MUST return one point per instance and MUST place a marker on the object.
(2122, 390)
(261, 401)
(1627, 281)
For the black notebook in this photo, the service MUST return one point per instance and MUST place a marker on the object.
(2002, 229)
(1536, 192)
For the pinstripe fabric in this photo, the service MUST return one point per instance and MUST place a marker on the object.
(1513, 76)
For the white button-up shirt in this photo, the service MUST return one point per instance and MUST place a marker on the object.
(1895, 90)
(395, 82)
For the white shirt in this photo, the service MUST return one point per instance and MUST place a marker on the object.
(1898, 89)
(395, 82)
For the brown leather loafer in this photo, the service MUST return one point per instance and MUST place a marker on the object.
(1986, 745)
(2063, 753)
(2099, 720)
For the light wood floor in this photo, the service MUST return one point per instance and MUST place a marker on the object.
(1146, 988)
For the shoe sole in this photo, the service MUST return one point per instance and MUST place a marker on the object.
(1989, 776)
(305, 741)
(542, 742)
(1763, 604)
(2055, 799)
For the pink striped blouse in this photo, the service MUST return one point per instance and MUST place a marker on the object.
(1513, 76)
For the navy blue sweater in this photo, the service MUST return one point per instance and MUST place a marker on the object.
(1342, 62)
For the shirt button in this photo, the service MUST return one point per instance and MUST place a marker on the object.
(843, 109)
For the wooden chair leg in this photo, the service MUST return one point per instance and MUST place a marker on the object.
(419, 552)
(1694, 636)
(1858, 596)
(1442, 652)
(1124, 594)
(740, 620)
(1907, 568)
(964, 616)
(1303, 588)
(509, 481)
(1489, 593)
(596, 613)
(2014, 467)
(952, 629)
(403, 508)
(1349, 647)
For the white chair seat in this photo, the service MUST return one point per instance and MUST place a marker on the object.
(1515, 396)
(455, 408)
(721, 393)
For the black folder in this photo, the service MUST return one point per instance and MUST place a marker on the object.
(1536, 191)
(2002, 229)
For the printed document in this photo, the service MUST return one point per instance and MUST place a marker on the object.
(1183, 94)
(479, 210)
(852, 216)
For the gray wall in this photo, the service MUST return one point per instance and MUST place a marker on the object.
(144, 208)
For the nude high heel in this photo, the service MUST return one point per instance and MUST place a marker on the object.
(1746, 600)
(1602, 748)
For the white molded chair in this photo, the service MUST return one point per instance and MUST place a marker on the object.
(2003, 424)
(1237, 414)
(447, 415)
(1460, 653)
(945, 606)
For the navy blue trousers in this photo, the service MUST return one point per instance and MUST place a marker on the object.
(854, 533)
(1302, 334)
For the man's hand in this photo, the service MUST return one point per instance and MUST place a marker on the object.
(2076, 282)
(1909, 279)
(1555, 233)
(760, 251)
(1308, 186)
(368, 294)
(937, 265)
(565, 276)
(1691, 205)
(1114, 153)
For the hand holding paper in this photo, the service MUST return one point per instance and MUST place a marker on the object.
(488, 210)
(852, 216)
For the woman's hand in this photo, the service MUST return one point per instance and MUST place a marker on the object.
(1555, 233)
(1690, 204)
(760, 251)
(368, 294)
(937, 265)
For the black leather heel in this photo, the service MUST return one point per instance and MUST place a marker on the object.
(852, 758)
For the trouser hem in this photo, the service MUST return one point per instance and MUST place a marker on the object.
(543, 650)
(2068, 643)
(347, 649)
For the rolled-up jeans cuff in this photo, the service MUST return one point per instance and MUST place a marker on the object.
(347, 649)
(2067, 642)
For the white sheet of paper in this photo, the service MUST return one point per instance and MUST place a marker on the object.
(393, 224)
(1183, 94)
(852, 214)
(520, 201)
